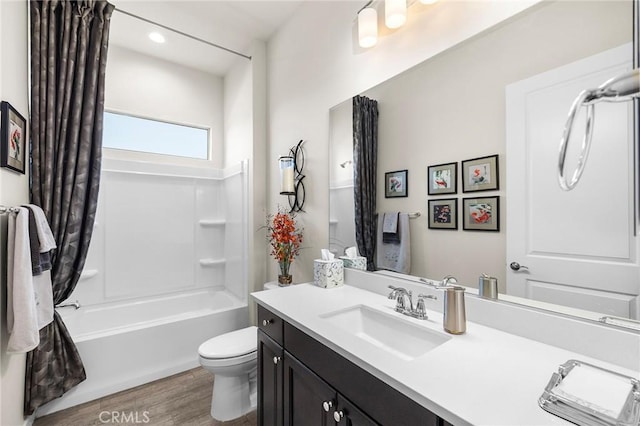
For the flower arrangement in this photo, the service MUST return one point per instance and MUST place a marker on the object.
(285, 238)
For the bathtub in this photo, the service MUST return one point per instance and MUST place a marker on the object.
(126, 344)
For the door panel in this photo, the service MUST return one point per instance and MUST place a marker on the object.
(305, 396)
(270, 389)
(579, 246)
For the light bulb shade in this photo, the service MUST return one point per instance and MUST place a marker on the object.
(395, 13)
(287, 165)
(367, 27)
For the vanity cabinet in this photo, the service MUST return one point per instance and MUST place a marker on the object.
(303, 382)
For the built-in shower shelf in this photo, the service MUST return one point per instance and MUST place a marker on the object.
(212, 262)
(212, 222)
(88, 273)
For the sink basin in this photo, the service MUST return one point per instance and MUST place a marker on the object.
(386, 331)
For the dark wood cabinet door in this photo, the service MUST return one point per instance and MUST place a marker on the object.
(270, 389)
(346, 414)
(308, 400)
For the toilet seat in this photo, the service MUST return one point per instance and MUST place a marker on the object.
(231, 348)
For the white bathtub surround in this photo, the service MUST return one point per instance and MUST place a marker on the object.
(485, 376)
(164, 228)
(126, 344)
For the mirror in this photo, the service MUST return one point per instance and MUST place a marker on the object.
(452, 108)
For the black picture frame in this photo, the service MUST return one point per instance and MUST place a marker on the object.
(13, 138)
(480, 174)
(481, 214)
(442, 179)
(443, 213)
(396, 184)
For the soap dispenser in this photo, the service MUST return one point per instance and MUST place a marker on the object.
(455, 318)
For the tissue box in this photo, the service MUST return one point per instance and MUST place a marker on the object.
(358, 262)
(328, 273)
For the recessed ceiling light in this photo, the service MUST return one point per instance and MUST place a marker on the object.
(157, 37)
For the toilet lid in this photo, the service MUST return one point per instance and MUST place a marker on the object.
(230, 345)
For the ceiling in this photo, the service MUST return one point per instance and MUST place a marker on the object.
(234, 24)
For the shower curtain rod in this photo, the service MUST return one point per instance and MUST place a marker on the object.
(124, 12)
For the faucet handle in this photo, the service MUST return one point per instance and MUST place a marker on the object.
(421, 310)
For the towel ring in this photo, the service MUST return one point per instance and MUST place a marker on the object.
(586, 141)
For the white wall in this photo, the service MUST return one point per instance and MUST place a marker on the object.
(14, 190)
(149, 87)
(245, 138)
(313, 65)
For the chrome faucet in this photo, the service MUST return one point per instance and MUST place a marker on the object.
(400, 294)
(448, 279)
(75, 304)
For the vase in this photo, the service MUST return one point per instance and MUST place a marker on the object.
(284, 280)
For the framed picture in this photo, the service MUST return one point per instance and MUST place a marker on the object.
(443, 213)
(13, 138)
(396, 184)
(443, 179)
(480, 174)
(481, 214)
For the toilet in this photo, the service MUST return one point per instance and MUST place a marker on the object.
(232, 359)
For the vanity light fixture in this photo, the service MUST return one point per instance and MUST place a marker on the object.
(367, 27)
(395, 13)
(157, 37)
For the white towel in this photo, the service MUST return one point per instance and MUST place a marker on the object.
(22, 319)
(42, 287)
(47, 241)
(394, 256)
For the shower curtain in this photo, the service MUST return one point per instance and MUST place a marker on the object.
(365, 160)
(69, 41)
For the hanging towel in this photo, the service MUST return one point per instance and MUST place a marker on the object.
(47, 242)
(394, 256)
(390, 232)
(22, 320)
(42, 287)
(41, 240)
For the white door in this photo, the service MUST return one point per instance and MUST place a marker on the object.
(574, 248)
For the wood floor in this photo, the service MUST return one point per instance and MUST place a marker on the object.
(180, 400)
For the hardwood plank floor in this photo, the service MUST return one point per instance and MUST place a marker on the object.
(180, 400)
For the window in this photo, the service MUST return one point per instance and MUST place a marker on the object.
(157, 137)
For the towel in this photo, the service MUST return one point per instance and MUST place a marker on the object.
(42, 287)
(394, 256)
(22, 320)
(47, 242)
(390, 232)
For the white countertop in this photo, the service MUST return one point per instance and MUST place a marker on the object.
(483, 377)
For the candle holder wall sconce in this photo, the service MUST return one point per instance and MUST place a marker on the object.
(291, 177)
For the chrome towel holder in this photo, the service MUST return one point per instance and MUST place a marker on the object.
(622, 88)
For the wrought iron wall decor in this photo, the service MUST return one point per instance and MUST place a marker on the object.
(296, 200)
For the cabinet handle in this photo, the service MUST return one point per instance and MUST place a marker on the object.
(327, 405)
(276, 359)
(338, 415)
(267, 322)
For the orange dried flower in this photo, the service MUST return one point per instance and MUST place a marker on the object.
(285, 238)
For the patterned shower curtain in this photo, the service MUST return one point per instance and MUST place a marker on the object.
(365, 160)
(69, 41)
